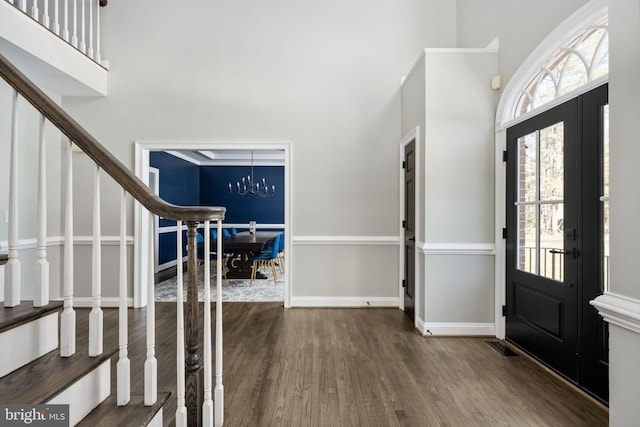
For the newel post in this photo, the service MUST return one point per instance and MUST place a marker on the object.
(193, 393)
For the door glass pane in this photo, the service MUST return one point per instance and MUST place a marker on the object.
(552, 241)
(527, 230)
(527, 167)
(540, 204)
(552, 163)
(605, 197)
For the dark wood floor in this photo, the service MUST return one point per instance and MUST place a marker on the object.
(360, 367)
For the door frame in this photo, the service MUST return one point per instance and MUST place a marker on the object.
(413, 135)
(141, 234)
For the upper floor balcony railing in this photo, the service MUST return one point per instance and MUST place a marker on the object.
(77, 22)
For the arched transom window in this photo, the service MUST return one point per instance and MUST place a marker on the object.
(584, 59)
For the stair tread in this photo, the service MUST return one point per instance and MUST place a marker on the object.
(41, 380)
(108, 414)
(11, 317)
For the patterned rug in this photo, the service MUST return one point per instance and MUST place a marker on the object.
(232, 289)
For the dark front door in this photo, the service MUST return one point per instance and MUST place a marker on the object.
(409, 230)
(555, 238)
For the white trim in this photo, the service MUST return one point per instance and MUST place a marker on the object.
(104, 302)
(141, 166)
(77, 240)
(347, 240)
(344, 302)
(485, 249)
(619, 310)
(481, 329)
(558, 38)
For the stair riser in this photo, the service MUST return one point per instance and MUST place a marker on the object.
(156, 421)
(86, 393)
(28, 342)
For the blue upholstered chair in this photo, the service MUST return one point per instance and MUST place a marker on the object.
(268, 255)
(281, 253)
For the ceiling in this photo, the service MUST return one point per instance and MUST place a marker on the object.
(230, 157)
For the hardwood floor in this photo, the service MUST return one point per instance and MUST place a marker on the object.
(360, 367)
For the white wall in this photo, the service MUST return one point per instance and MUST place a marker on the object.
(624, 92)
(324, 75)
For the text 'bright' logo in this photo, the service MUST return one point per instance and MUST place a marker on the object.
(35, 415)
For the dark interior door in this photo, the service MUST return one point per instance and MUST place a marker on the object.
(409, 230)
(557, 238)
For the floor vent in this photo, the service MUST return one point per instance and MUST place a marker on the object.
(501, 348)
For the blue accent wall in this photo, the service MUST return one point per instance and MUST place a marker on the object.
(214, 191)
(179, 181)
(185, 184)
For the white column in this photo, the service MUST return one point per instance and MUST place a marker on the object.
(65, 15)
(90, 51)
(95, 317)
(123, 366)
(207, 404)
(74, 29)
(151, 364)
(219, 390)
(68, 316)
(12, 267)
(181, 411)
(41, 291)
(83, 36)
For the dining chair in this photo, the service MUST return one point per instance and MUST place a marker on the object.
(281, 252)
(268, 255)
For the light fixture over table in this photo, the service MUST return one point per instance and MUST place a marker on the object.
(251, 187)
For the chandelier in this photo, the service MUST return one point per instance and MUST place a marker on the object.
(251, 187)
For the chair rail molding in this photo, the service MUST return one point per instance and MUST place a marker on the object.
(619, 310)
(487, 249)
(347, 240)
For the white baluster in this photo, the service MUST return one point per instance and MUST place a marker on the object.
(123, 366)
(151, 364)
(65, 15)
(83, 36)
(98, 58)
(34, 10)
(95, 317)
(207, 404)
(181, 411)
(219, 390)
(56, 18)
(41, 292)
(45, 14)
(90, 51)
(68, 316)
(22, 4)
(12, 267)
(74, 30)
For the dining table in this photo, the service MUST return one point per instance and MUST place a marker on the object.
(240, 247)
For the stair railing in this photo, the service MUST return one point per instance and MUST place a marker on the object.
(193, 399)
(75, 21)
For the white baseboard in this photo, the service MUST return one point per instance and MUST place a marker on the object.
(44, 338)
(344, 302)
(109, 302)
(86, 393)
(457, 328)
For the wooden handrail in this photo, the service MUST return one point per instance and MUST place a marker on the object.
(99, 154)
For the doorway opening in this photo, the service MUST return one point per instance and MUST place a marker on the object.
(214, 158)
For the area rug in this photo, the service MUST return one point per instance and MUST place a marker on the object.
(232, 289)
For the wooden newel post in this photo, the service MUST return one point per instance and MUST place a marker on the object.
(193, 391)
